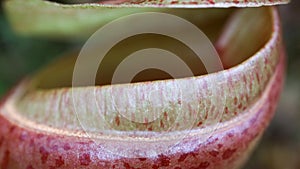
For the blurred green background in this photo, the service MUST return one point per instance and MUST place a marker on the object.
(280, 146)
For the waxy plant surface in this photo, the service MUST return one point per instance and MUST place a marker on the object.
(32, 137)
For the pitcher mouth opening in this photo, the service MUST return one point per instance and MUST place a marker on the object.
(40, 92)
(59, 74)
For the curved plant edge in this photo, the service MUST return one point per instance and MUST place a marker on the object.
(227, 147)
(240, 87)
(166, 3)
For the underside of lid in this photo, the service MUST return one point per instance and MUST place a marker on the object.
(176, 3)
(59, 20)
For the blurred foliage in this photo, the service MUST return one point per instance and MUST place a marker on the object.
(20, 56)
(280, 146)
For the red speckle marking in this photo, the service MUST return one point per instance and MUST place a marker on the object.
(31, 143)
(117, 120)
(142, 159)
(174, 2)
(44, 154)
(39, 136)
(206, 115)
(200, 123)
(59, 162)
(49, 139)
(228, 153)
(203, 165)
(230, 135)
(244, 79)
(162, 124)
(164, 160)
(165, 115)
(155, 167)
(257, 77)
(12, 128)
(193, 3)
(214, 153)
(1, 141)
(226, 110)
(179, 102)
(211, 1)
(220, 146)
(240, 106)
(29, 167)
(54, 147)
(194, 154)
(67, 147)
(146, 121)
(85, 159)
(182, 157)
(127, 166)
(235, 101)
(236, 1)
